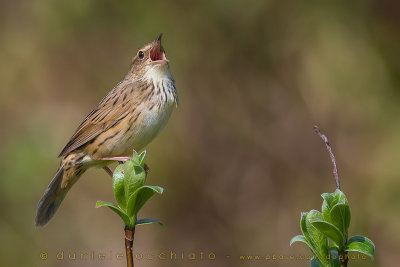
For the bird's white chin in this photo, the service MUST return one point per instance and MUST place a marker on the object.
(157, 71)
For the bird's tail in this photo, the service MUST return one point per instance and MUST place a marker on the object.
(55, 193)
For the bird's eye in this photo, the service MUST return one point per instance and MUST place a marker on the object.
(141, 54)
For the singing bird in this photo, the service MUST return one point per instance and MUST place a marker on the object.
(129, 117)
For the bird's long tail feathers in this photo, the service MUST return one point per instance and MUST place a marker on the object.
(54, 194)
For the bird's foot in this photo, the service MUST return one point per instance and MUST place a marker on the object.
(120, 159)
(108, 171)
(146, 168)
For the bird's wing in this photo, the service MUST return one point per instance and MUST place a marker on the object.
(113, 108)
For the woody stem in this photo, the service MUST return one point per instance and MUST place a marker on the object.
(344, 258)
(129, 236)
(328, 147)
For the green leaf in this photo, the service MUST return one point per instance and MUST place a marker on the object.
(299, 238)
(142, 157)
(330, 231)
(331, 199)
(140, 197)
(315, 263)
(336, 210)
(326, 206)
(334, 259)
(315, 240)
(318, 240)
(135, 158)
(340, 216)
(134, 178)
(117, 210)
(303, 225)
(304, 230)
(147, 221)
(335, 246)
(361, 244)
(127, 178)
(119, 186)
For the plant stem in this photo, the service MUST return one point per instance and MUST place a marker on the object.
(328, 147)
(343, 258)
(129, 236)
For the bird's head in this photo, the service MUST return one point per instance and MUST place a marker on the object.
(150, 60)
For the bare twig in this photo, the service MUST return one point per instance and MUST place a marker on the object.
(109, 172)
(343, 256)
(328, 147)
(129, 236)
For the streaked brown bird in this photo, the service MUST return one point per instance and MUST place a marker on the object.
(130, 116)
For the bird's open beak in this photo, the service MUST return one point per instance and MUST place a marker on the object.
(157, 52)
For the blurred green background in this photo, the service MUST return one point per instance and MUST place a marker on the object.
(238, 160)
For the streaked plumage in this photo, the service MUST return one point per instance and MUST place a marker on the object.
(129, 117)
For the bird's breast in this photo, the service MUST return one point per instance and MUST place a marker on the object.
(150, 122)
(146, 121)
(141, 125)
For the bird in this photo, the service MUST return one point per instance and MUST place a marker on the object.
(128, 118)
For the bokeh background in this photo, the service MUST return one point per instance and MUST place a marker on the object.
(238, 160)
